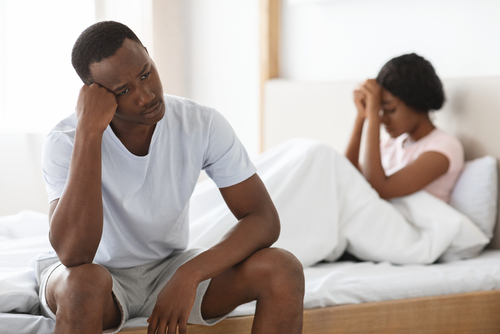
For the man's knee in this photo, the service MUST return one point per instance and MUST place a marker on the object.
(79, 285)
(277, 271)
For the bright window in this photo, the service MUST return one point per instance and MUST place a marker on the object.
(38, 85)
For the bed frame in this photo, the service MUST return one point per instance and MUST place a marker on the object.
(476, 312)
(325, 111)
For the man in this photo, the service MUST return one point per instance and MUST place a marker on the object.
(120, 173)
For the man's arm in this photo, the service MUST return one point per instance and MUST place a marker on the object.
(76, 218)
(258, 227)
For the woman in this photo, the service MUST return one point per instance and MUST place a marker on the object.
(417, 155)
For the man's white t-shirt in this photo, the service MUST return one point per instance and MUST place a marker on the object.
(146, 198)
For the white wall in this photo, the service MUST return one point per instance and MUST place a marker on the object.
(328, 40)
(169, 51)
(208, 51)
(222, 62)
(343, 40)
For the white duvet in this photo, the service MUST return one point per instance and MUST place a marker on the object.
(325, 207)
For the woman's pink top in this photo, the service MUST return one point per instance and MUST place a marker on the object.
(398, 152)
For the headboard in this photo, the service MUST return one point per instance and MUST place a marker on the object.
(325, 111)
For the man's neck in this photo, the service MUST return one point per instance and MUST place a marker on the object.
(135, 137)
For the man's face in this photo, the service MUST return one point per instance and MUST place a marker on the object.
(132, 76)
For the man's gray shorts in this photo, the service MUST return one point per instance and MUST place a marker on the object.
(137, 288)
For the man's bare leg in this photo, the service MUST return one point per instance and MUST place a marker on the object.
(274, 278)
(82, 300)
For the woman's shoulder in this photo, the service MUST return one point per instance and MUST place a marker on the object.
(447, 144)
(443, 139)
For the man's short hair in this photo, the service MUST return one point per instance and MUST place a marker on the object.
(99, 41)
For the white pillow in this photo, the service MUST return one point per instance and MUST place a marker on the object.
(475, 193)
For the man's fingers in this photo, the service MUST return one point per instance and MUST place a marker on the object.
(157, 326)
(183, 326)
(162, 328)
(172, 326)
(153, 324)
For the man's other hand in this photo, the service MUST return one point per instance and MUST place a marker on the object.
(173, 305)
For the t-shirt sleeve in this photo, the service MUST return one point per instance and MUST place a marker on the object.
(56, 158)
(225, 161)
(451, 148)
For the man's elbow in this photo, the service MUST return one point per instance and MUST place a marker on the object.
(73, 261)
(69, 256)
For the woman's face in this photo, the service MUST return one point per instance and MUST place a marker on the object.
(396, 116)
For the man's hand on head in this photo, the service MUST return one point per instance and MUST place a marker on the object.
(95, 108)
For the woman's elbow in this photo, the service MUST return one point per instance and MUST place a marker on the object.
(381, 188)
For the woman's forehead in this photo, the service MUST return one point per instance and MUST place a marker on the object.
(388, 98)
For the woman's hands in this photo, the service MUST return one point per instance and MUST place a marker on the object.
(173, 305)
(360, 102)
(367, 98)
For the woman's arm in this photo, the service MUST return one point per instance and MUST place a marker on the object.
(352, 150)
(413, 177)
